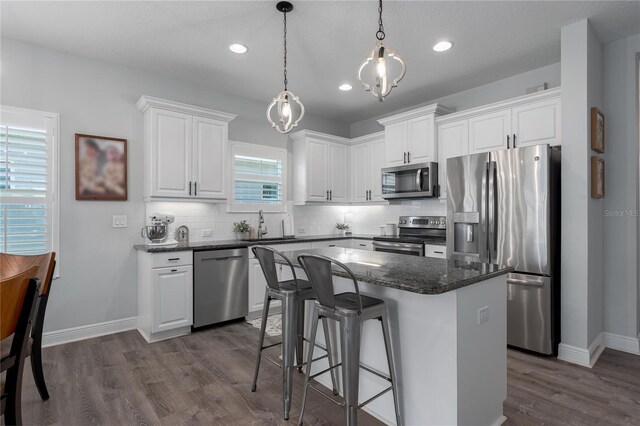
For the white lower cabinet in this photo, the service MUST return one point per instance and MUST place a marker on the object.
(165, 294)
(433, 250)
(362, 244)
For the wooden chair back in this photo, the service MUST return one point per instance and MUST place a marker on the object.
(14, 264)
(13, 292)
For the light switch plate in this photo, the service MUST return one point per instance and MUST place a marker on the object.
(302, 230)
(120, 221)
(207, 233)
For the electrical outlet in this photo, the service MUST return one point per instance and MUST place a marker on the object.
(302, 230)
(207, 233)
(119, 221)
(483, 315)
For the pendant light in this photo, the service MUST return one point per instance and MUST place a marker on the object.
(286, 101)
(380, 59)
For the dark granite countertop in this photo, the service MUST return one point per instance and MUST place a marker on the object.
(423, 275)
(227, 244)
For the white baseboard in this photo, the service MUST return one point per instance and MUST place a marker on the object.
(581, 356)
(622, 343)
(73, 334)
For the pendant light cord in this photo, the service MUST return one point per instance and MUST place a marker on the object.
(285, 51)
(380, 34)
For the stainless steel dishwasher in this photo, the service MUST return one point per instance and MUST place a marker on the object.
(220, 286)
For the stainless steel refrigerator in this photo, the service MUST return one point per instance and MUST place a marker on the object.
(503, 207)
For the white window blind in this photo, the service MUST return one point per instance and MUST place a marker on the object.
(28, 217)
(258, 178)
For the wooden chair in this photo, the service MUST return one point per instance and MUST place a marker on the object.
(13, 264)
(18, 296)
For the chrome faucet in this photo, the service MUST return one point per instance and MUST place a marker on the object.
(262, 228)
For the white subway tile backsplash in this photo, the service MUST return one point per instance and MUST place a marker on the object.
(314, 219)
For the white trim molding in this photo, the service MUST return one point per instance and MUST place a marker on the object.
(325, 137)
(581, 356)
(622, 343)
(146, 102)
(435, 109)
(73, 334)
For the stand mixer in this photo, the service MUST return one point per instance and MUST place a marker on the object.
(159, 232)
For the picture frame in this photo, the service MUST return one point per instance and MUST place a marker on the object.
(101, 168)
(597, 130)
(597, 177)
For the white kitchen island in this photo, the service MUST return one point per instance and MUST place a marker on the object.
(451, 358)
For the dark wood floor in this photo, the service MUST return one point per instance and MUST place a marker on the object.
(205, 378)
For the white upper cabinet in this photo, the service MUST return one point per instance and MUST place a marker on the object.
(410, 136)
(209, 158)
(421, 143)
(453, 141)
(524, 121)
(185, 150)
(536, 123)
(320, 168)
(170, 151)
(338, 173)
(367, 159)
(489, 132)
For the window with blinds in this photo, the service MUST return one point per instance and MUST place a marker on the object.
(26, 185)
(258, 178)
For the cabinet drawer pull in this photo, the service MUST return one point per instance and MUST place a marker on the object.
(362, 245)
(332, 245)
(439, 252)
(174, 270)
(173, 259)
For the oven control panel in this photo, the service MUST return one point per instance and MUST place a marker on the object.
(429, 222)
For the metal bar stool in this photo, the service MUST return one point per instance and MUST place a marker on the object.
(293, 294)
(350, 310)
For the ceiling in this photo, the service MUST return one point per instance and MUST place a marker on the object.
(327, 40)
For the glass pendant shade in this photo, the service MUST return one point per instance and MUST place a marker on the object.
(382, 59)
(282, 110)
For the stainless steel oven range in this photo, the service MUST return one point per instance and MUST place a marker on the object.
(413, 233)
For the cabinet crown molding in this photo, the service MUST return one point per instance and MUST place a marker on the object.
(302, 134)
(146, 102)
(368, 138)
(436, 109)
(553, 93)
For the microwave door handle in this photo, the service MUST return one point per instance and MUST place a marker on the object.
(419, 180)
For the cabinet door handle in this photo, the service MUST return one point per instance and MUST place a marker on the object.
(331, 195)
(173, 259)
(408, 157)
(189, 187)
(514, 140)
(327, 195)
(195, 188)
(405, 157)
(508, 142)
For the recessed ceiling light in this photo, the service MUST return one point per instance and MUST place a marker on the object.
(345, 87)
(442, 46)
(238, 48)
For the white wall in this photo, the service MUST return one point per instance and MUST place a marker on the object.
(620, 226)
(506, 88)
(98, 267)
(582, 312)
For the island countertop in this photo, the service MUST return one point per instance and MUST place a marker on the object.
(423, 275)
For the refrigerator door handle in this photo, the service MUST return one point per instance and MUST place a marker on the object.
(492, 214)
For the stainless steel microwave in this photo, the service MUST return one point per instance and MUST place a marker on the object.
(410, 181)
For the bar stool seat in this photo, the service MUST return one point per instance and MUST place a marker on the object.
(293, 294)
(350, 310)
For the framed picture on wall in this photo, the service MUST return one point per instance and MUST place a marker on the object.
(101, 168)
(597, 177)
(597, 130)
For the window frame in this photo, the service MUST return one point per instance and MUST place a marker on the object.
(262, 151)
(53, 141)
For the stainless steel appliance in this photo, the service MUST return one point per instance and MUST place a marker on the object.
(159, 232)
(410, 181)
(413, 233)
(220, 286)
(503, 207)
